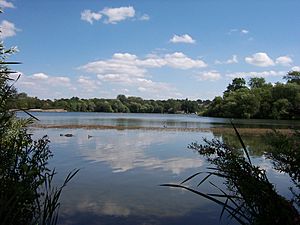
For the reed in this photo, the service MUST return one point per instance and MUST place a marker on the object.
(26, 192)
(248, 196)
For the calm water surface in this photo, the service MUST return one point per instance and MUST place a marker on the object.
(154, 120)
(120, 170)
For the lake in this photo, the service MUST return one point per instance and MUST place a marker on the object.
(121, 169)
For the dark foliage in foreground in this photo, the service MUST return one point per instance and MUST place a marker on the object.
(284, 151)
(26, 192)
(248, 196)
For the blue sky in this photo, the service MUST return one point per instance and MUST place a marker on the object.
(152, 49)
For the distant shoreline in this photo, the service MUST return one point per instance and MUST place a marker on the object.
(219, 130)
(40, 110)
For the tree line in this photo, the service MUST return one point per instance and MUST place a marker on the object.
(259, 99)
(121, 104)
(253, 99)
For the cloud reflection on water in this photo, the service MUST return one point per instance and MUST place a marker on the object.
(109, 208)
(122, 170)
(127, 150)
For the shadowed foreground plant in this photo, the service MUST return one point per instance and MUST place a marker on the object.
(284, 151)
(249, 197)
(26, 193)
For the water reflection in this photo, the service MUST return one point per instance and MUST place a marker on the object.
(153, 120)
(128, 150)
(121, 170)
(255, 144)
(107, 208)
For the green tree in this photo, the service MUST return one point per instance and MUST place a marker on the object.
(118, 106)
(215, 107)
(293, 77)
(122, 98)
(281, 109)
(263, 100)
(256, 82)
(103, 106)
(134, 107)
(189, 106)
(237, 83)
(172, 106)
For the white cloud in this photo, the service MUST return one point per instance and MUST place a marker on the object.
(240, 31)
(270, 73)
(131, 65)
(144, 17)
(113, 15)
(260, 59)
(129, 70)
(118, 14)
(6, 4)
(233, 60)
(125, 56)
(60, 81)
(46, 86)
(124, 71)
(89, 16)
(46, 80)
(142, 84)
(185, 38)
(284, 61)
(49, 86)
(8, 29)
(181, 61)
(117, 78)
(88, 84)
(296, 68)
(145, 85)
(40, 76)
(118, 65)
(209, 75)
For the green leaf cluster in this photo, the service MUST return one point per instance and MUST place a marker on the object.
(258, 100)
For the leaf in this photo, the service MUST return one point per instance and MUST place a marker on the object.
(204, 179)
(241, 141)
(190, 177)
(229, 208)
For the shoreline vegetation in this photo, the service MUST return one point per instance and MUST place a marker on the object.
(40, 110)
(216, 130)
(253, 100)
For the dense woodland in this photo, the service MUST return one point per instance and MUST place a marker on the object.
(259, 99)
(255, 99)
